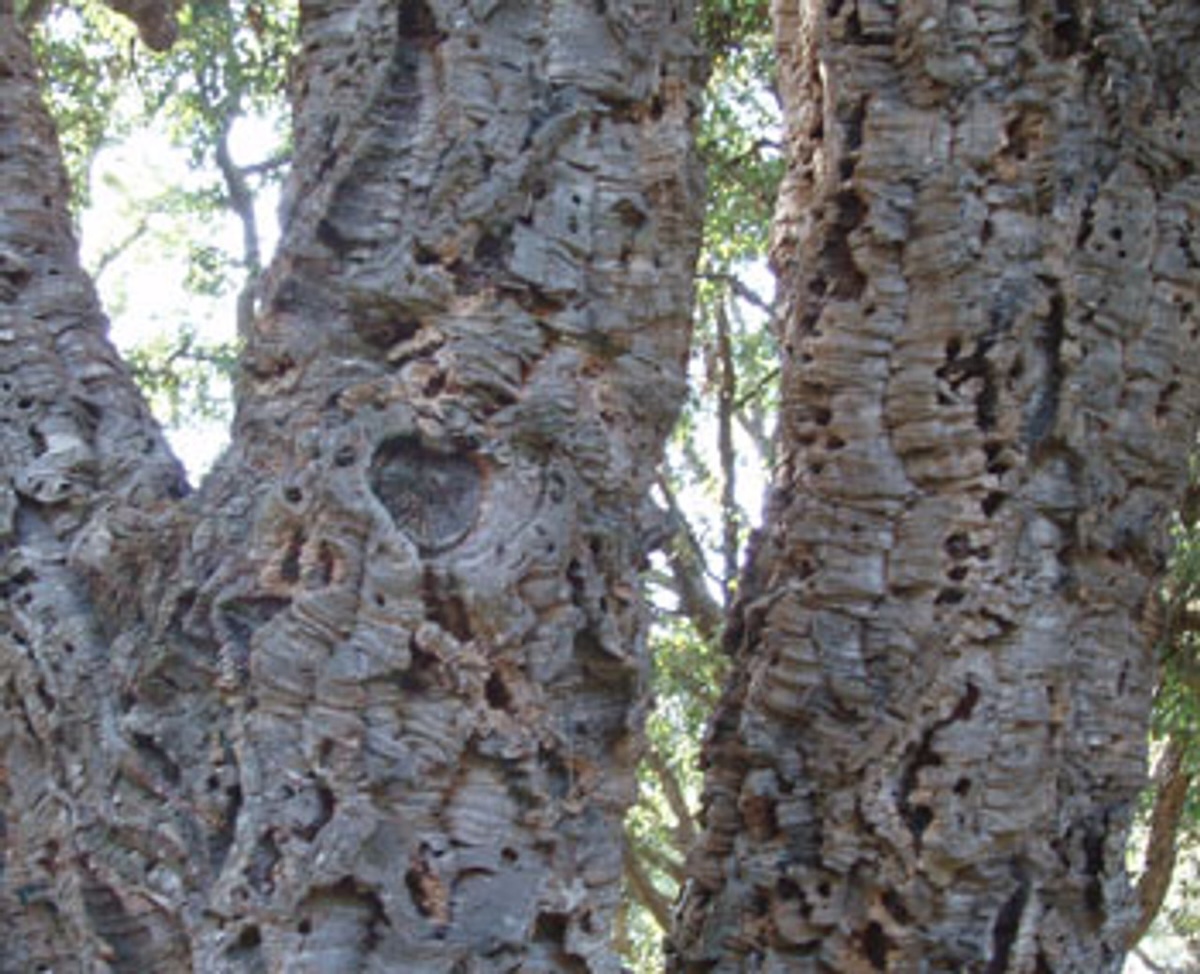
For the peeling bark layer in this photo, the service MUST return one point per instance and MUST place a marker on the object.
(928, 755)
(371, 699)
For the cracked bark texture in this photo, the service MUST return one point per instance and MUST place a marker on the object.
(929, 752)
(370, 699)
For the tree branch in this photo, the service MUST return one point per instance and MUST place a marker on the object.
(155, 20)
(741, 289)
(644, 890)
(689, 572)
(1172, 781)
(35, 12)
(241, 201)
(685, 828)
(1149, 963)
(114, 253)
(657, 858)
(726, 396)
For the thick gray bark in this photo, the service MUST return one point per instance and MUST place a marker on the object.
(928, 756)
(369, 700)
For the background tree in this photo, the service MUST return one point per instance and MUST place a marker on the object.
(933, 736)
(711, 485)
(370, 696)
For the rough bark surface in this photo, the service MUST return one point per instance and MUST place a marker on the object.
(928, 756)
(370, 699)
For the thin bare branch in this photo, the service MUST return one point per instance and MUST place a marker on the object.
(644, 890)
(685, 824)
(690, 573)
(740, 288)
(1172, 781)
(120, 248)
(727, 457)
(155, 20)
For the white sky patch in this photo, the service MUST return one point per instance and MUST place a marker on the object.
(136, 240)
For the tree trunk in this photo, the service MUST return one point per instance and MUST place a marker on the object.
(370, 699)
(929, 752)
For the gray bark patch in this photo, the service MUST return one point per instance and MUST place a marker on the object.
(432, 496)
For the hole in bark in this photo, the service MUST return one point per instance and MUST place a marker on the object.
(293, 495)
(759, 816)
(326, 802)
(950, 596)
(966, 705)
(327, 563)
(434, 385)
(875, 946)
(552, 929)
(497, 692)
(289, 568)
(1164, 400)
(432, 496)
(1067, 31)
(992, 502)
(919, 818)
(1007, 924)
(304, 927)
(416, 22)
(895, 907)
(156, 757)
(962, 787)
(384, 328)
(509, 854)
(958, 573)
(44, 695)
(957, 546)
(245, 950)
(345, 456)
(853, 126)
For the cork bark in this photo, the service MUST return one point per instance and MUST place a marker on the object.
(370, 698)
(928, 755)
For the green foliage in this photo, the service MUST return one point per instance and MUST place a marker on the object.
(727, 25)
(720, 447)
(88, 56)
(739, 143)
(1176, 718)
(227, 71)
(1177, 706)
(182, 376)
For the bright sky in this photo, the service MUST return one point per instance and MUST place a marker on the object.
(143, 288)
